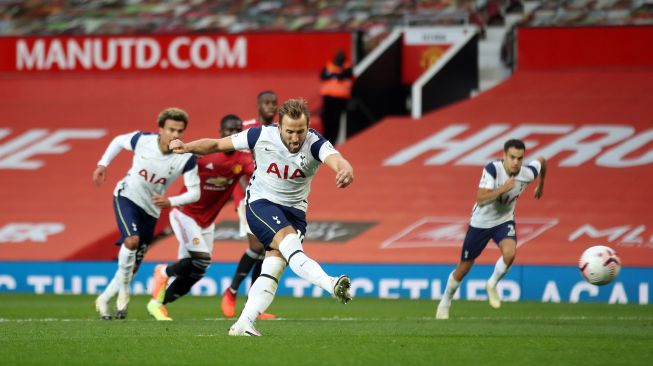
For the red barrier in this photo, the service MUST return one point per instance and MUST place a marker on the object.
(208, 53)
(584, 47)
(415, 180)
(56, 128)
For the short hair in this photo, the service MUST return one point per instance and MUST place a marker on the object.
(175, 114)
(264, 93)
(517, 144)
(229, 117)
(294, 108)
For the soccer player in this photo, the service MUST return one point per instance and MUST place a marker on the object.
(193, 224)
(493, 217)
(252, 259)
(287, 157)
(138, 197)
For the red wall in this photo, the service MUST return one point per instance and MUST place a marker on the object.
(206, 53)
(576, 47)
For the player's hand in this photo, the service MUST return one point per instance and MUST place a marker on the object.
(160, 201)
(539, 191)
(509, 184)
(99, 175)
(344, 178)
(177, 146)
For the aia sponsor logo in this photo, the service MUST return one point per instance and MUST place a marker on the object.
(441, 232)
(151, 177)
(273, 169)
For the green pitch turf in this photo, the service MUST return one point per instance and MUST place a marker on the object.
(64, 330)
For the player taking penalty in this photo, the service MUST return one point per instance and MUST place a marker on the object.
(287, 157)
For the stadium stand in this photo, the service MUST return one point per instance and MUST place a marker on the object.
(374, 19)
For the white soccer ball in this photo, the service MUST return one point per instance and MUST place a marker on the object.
(599, 265)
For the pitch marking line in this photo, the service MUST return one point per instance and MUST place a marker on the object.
(464, 318)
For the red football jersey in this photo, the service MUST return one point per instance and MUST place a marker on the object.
(219, 175)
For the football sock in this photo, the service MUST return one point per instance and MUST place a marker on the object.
(263, 290)
(126, 260)
(500, 270)
(450, 290)
(178, 288)
(302, 265)
(124, 274)
(247, 261)
(181, 268)
(256, 271)
(110, 291)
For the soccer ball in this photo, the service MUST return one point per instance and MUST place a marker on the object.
(599, 265)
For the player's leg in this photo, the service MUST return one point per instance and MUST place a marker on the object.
(200, 260)
(145, 225)
(129, 223)
(289, 244)
(453, 282)
(506, 237)
(261, 295)
(282, 228)
(195, 247)
(254, 253)
(248, 262)
(475, 241)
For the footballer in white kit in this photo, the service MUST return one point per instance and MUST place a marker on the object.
(287, 157)
(138, 197)
(252, 258)
(493, 218)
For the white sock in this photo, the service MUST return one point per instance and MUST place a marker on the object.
(126, 261)
(110, 291)
(450, 290)
(252, 254)
(500, 270)
(263, 290)
(302, 265)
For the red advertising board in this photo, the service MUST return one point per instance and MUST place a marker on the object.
(207, 53)
(415, 183)
(584, 47)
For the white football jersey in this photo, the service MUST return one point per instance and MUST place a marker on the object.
(152, 171)
(281, 176)
(502, 209)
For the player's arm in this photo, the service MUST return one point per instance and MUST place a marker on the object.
(344, 170)
(203, 146)
(119, 143)
(539, 189)
(484, 195)
(486, 188)
(192, 183)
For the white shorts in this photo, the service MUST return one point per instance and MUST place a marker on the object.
(243, 228)
(191, 237)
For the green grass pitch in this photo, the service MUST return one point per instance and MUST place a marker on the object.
(64, 330)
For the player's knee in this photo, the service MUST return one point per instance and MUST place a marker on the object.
(509, 257)
(199, 268)
(291, 246)
(255, 245)
(132, 242)
(273, 267)
(462, 269)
